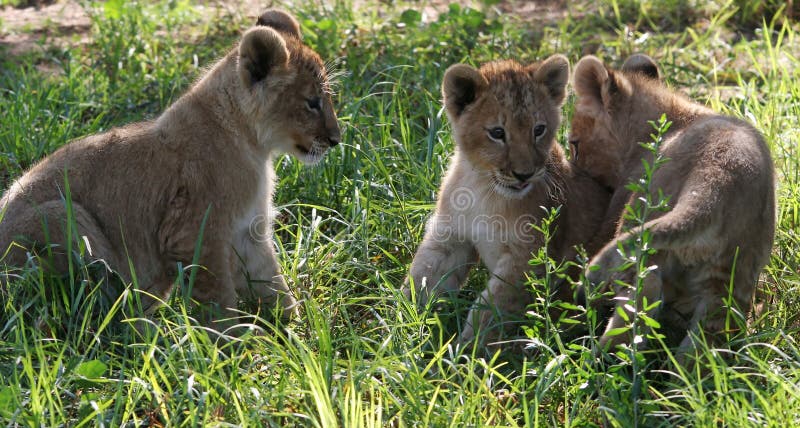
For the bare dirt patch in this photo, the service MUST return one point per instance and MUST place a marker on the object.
(59, 23)
(538, 11)
(64, 23)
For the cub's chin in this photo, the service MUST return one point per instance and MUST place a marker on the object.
(310, 155)
(513, 191)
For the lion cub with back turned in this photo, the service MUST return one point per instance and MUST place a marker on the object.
(719, 183)
(506, 168)
(140, 193)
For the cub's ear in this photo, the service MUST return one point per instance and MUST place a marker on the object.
(554, 74)
(597, 84)
(642, 64)
(590, 76)
(261, 51)
(280, 21)
(461, 86)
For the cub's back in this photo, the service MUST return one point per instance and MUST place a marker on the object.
(733, 156)
(107, 173)
(93, 156)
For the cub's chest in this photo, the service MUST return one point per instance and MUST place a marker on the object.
(497, 228)
(255, 215)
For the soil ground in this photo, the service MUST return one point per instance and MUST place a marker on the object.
(37, 24)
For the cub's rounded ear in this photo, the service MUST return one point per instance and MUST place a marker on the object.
(261, 51)
(642, 64)
(594, 83)
(461, 86)
(554, 74)
(589, 78)
(280, 21)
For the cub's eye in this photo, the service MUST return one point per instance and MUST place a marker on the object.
(497, 133)
(538, 130)
(314, 103)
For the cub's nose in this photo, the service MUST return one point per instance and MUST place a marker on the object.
(522, 176)
(334, 136)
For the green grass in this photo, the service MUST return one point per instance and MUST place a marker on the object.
(347, 230)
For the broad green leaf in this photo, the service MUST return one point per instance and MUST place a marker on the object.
(113, 8)
(567, 305)
(650, 322)
(617, 331)
(473, 18)
(623, 314)
(325, 24)
(92, 369)
(411, 17)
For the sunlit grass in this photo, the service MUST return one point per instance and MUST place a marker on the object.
(360, 355)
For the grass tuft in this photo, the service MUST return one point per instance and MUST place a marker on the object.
(361, 355)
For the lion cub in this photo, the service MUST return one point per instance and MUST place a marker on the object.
(505, 171)
(141, 193)
(718, 180)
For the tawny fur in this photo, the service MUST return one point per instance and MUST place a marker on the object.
(496, 188)
(719, 181)
(140, 192)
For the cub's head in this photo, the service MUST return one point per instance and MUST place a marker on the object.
(286, 89)
(505, 117)
(611, 114)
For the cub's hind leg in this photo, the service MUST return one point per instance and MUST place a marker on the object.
(713, 318)
(41, 230)
(213, 287)
(36, 235)
(627, 302)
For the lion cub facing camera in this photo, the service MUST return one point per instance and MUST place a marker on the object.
(140, 193)
(506, 167)
(718, 181)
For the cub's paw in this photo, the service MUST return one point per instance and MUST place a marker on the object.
(406, 289)
(417, 290)
(290, 306)
(605, 268)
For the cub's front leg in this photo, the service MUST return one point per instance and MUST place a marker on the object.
(607, 260)
(441, 263)
(628, 301)
(605, 271)
(502, 304)
(260, 280)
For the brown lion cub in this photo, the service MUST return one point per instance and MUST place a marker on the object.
(505, 172)
(141, 192)
(718, 180)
